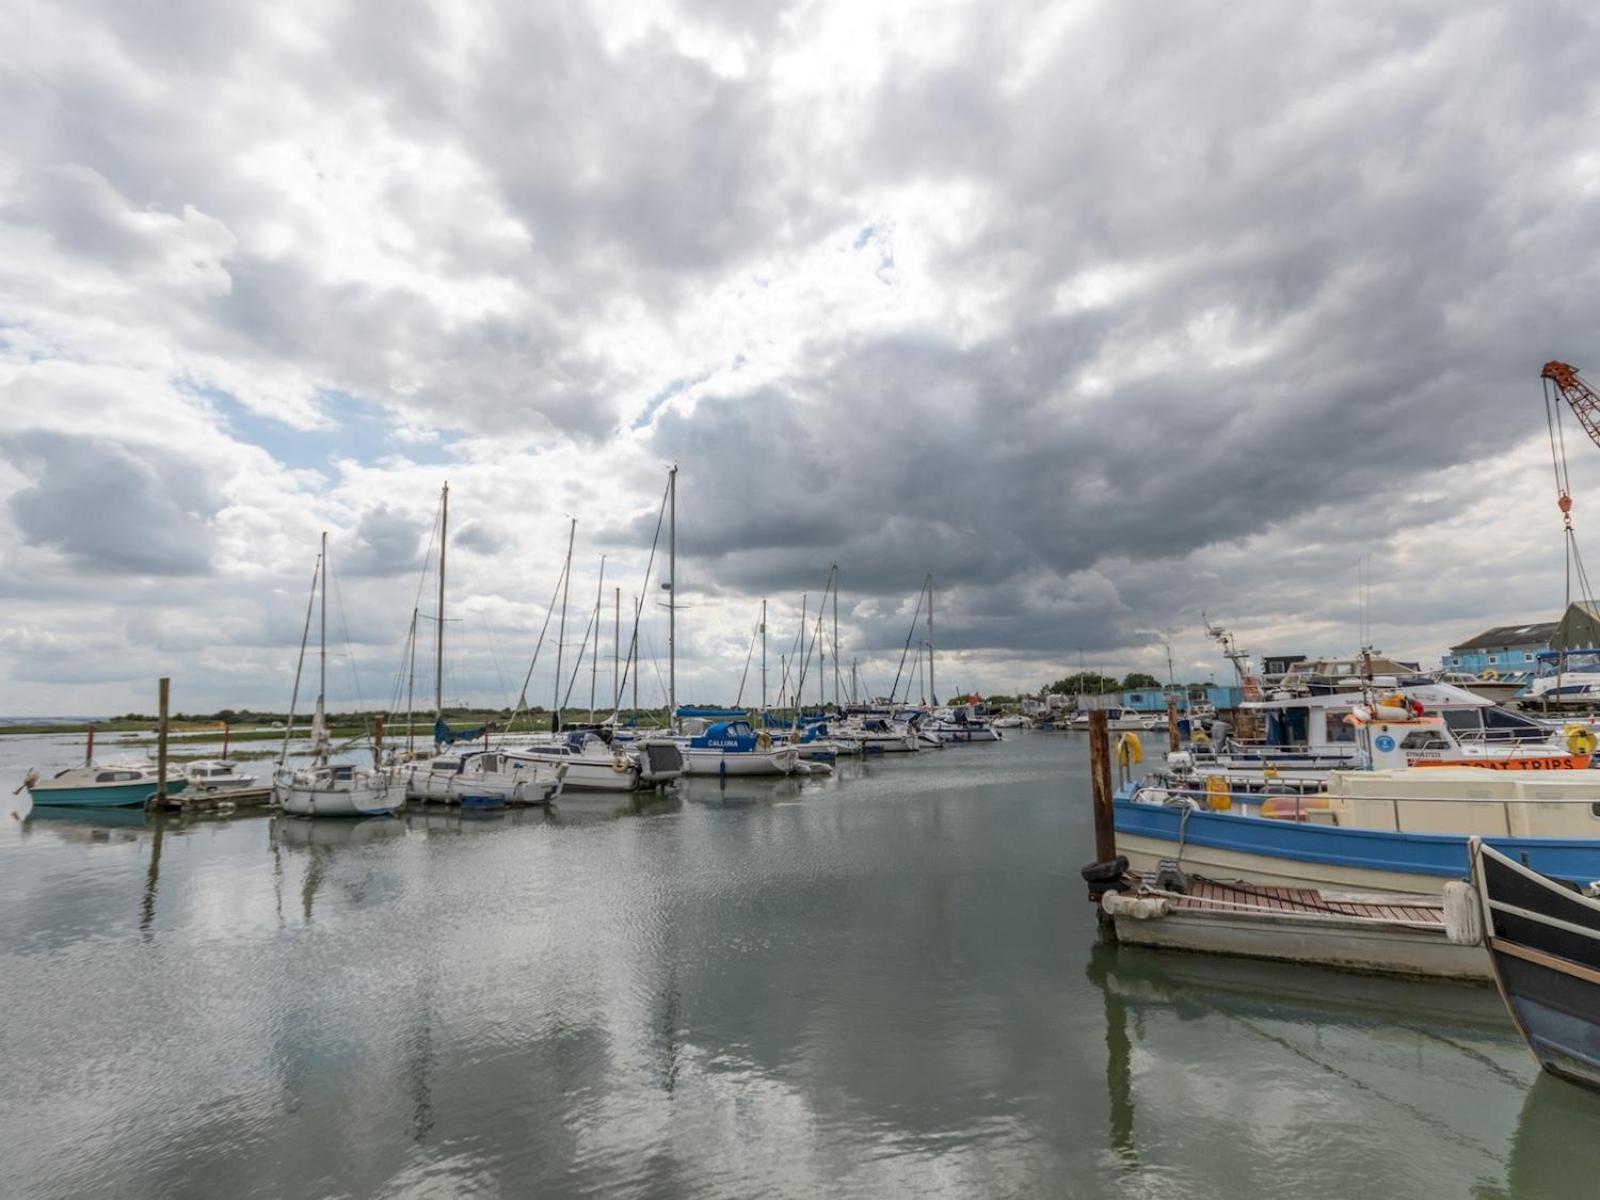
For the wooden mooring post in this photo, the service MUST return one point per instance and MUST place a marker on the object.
(164, 692)
(1172, 724)
(1105, 829)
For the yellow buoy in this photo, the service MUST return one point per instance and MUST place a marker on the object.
(1580, 739)
(1129, 750)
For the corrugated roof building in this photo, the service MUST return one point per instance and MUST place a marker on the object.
(1503, 648)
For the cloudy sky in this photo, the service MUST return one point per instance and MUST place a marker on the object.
(1105, 314)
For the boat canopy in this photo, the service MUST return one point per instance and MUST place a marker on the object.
(710, 714)
(443, 735)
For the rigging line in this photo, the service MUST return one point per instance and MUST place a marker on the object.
(583, 648)
(494, 656)
(349, 647)
(638, 604)
(305, 636)
(656, 663)
(749, 654)
(522, 697)
(895, 690)
(422, 580)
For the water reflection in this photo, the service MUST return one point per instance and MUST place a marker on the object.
(743, 987)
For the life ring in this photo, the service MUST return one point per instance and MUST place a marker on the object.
(764, 740)
(1129, 750)
(1490, 675)
(1580, 739)
(1200, 738)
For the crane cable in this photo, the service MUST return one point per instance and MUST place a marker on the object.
(1553, 397)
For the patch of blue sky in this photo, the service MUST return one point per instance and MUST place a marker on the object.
(676, 387)
(360, 430)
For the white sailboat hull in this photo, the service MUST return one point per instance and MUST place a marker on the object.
(779, 760)
(364, 796)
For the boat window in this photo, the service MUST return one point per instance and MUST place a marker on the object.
(1463, 720)
(1423, 739)
(1595, 809)
(116, 776)
(1337, 729)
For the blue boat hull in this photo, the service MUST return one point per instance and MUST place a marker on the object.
(1274, 850)
(121, 796)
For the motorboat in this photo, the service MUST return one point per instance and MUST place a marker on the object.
(101, 785)
(1303, 735)
(598, 761)
(1121, 720)
(1389, 827)
(1563, 679)
(880, 735)
(962, 723)
(216, 775)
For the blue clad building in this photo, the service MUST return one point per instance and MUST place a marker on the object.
(1503, 649)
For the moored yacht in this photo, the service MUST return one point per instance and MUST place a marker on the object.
(325, 788)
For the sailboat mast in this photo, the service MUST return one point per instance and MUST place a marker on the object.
(633, 659)
(561, 631)
(594, 659)
(411, 687)
(933, 692)
(322, 662)
(438, 645)
(616, 653)
(672, 597)
(763, 654)
(836, 635)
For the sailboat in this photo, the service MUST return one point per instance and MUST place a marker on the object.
(326, 789)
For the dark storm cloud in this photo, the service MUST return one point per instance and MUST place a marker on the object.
(111, 507)
(1181, 306)
(1352, 278)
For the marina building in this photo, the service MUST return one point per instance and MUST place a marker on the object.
(1511, 648)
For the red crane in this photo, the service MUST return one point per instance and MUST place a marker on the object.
(1563, 384)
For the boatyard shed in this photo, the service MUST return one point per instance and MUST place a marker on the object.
(1578, 629)
(1505, 647)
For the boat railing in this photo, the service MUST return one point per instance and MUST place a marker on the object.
(1179, 791)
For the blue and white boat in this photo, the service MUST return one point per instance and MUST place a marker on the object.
(1564, 678)
(1394, 828)
(113, 785)
(735, 748)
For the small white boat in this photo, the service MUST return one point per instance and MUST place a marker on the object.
(217, 774)
(592, 766)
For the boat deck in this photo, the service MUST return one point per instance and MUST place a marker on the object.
(1207, 894)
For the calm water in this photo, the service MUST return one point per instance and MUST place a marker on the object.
(884, 984)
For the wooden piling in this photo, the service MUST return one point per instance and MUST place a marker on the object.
(1105, 830)
(164, 690)
(1172, 724)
